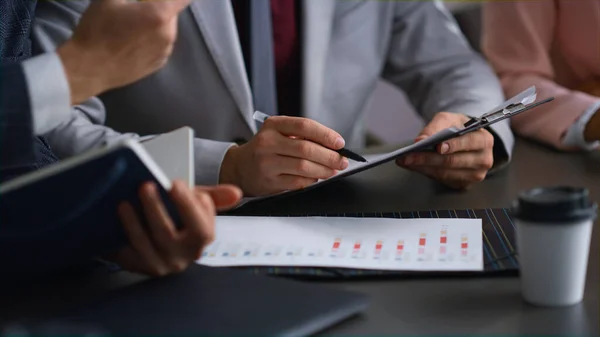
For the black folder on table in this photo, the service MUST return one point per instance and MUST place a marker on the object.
(499, 247)
(205, 301)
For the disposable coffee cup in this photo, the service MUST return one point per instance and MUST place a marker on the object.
(553, 231)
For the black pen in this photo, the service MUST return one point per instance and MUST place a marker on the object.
(262, 117)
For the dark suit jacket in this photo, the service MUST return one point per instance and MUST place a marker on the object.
(20, 150)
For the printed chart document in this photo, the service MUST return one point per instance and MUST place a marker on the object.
(358, 243)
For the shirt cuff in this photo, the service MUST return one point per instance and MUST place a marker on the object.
(49, 92)
(209, 155)
(575, 134)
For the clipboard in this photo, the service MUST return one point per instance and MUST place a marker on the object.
(518, 104)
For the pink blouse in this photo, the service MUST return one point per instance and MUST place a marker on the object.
(554, 45)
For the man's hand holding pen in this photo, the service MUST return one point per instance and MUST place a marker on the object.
(287, 153)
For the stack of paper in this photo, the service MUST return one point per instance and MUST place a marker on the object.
(359, 243)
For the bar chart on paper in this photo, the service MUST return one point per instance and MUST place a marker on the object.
(358, 243)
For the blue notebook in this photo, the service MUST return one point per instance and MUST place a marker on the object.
(66, 214)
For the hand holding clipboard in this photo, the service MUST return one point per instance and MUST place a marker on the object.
(467, 158)
(518, 104)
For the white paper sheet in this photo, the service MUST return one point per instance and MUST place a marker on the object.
(358, 243)
(177, 164)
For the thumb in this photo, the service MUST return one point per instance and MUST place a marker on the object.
(224, 196)
(440, 121)
(169, 7)
(421, 136)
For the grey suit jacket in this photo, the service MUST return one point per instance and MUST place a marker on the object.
(347, 46)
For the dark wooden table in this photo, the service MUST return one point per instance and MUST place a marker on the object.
(473, 306)
(459, 306)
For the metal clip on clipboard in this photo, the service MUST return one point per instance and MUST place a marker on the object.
(516, 105)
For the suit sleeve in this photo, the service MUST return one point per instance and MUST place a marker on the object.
(517, 38)
(431, 61)
(84, 130)
(54, 24)
(16, 122)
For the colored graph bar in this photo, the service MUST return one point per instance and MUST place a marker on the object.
(356, 253)
(444, 237)
(399, 249)
(443, 242)
(378, 247)
(422, 244)
(356, 247)
(336, 247)
(337, 243)
(464, 245)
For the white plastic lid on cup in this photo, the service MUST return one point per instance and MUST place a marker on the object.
(554, 226)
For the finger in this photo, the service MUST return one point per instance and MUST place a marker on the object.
(166, 7)
(128, 259)
(441, 121)
(223, 196)
(304, 149)
(472, 141)
(163, 231)
(289, 182)
(467, 160)
(197, 212)
(301, 167)
(139, 241)
(307, 129)
(455, 178)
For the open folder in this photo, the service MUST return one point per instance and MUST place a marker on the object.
(66, 214)
(522, 102)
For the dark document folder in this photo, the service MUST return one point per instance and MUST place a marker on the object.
(66, 214)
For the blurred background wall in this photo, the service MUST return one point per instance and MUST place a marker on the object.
(384, 119)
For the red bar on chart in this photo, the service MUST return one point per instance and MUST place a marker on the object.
(378, 246)
(422, 243)
(464, 245)
(337, 243)
(399, 250)
(336, 247)
(422, 240)
(400, 246)
(443, 242)
(356, 248)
